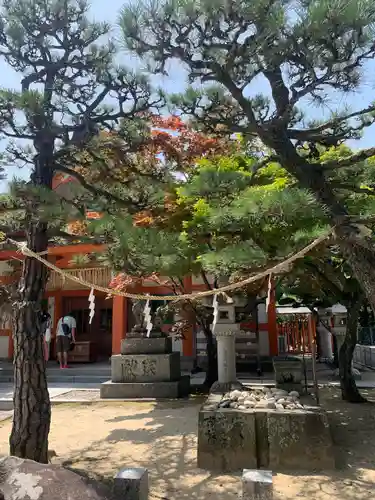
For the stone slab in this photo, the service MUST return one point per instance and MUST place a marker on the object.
(257, 485)
(28, 480)
(145, 367)
(226, 440)
(161, 345)
(232, 439)
(300, 440)
(157, 390)
(131, 484)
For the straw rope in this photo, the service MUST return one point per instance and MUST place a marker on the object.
(22, 247)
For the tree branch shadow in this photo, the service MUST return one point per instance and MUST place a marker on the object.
(163, 439)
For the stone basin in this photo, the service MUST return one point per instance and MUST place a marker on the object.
(232, 439)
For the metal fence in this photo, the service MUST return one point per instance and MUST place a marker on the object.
(366, 335)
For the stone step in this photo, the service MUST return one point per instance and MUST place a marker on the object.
(71, 379)
(150, 390)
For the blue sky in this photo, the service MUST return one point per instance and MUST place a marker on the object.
(108, 10)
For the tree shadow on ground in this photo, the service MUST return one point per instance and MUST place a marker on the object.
(353, 434)
(162, 437)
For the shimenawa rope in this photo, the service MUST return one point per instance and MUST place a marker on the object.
(192, 296)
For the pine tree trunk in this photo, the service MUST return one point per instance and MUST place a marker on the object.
(361, 258)
(212, 373)
(31, 422)
(349, 390)
(32, 410)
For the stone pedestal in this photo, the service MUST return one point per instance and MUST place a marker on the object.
(325, 337)
(226, 356)
(146, 368)
(288, 373)
(131, 484)
(340, 337)
(257, 485)
(226, 362)
(231, 439)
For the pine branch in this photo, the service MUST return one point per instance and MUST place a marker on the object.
(97, 191)
(331, 124)
(353, 189)
(363, 155)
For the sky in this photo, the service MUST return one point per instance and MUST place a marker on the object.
(108, 10)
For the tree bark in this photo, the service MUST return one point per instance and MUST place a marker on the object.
(349, 390)
(31, 422)
(360, 254)
(212, 373)
(32, 411)
(357, 248)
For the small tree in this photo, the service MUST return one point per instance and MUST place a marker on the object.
(70, 89)
(231, 220)
(298, 50)
(323, 278)
(151, 244)
(215, 218)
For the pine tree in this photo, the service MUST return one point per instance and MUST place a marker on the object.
(257, 219)
(71, 93)
(197, 228)
(300, 50)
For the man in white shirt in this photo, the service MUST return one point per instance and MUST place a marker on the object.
(65, 335)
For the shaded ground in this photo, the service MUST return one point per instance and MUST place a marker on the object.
(101, 438)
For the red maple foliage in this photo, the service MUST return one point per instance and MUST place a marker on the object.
(123, 281)
(180, 144)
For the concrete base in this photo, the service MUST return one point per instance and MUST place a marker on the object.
(230, 439)
(226, 440)
(135, 390)
(299, 440)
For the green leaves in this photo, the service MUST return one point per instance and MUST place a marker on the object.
(143, 251)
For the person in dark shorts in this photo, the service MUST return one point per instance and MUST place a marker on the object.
(65, 335)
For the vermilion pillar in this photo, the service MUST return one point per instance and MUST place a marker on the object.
(272, 326)
(119, 322)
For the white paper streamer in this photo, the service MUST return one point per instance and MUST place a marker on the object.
(91, 306)
(269, 292)
(215, 305)
(148, 318)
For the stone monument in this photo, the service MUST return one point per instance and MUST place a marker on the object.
(289, 373)
(146, 367)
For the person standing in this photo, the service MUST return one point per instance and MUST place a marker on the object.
(45, 319)
(65, 335)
